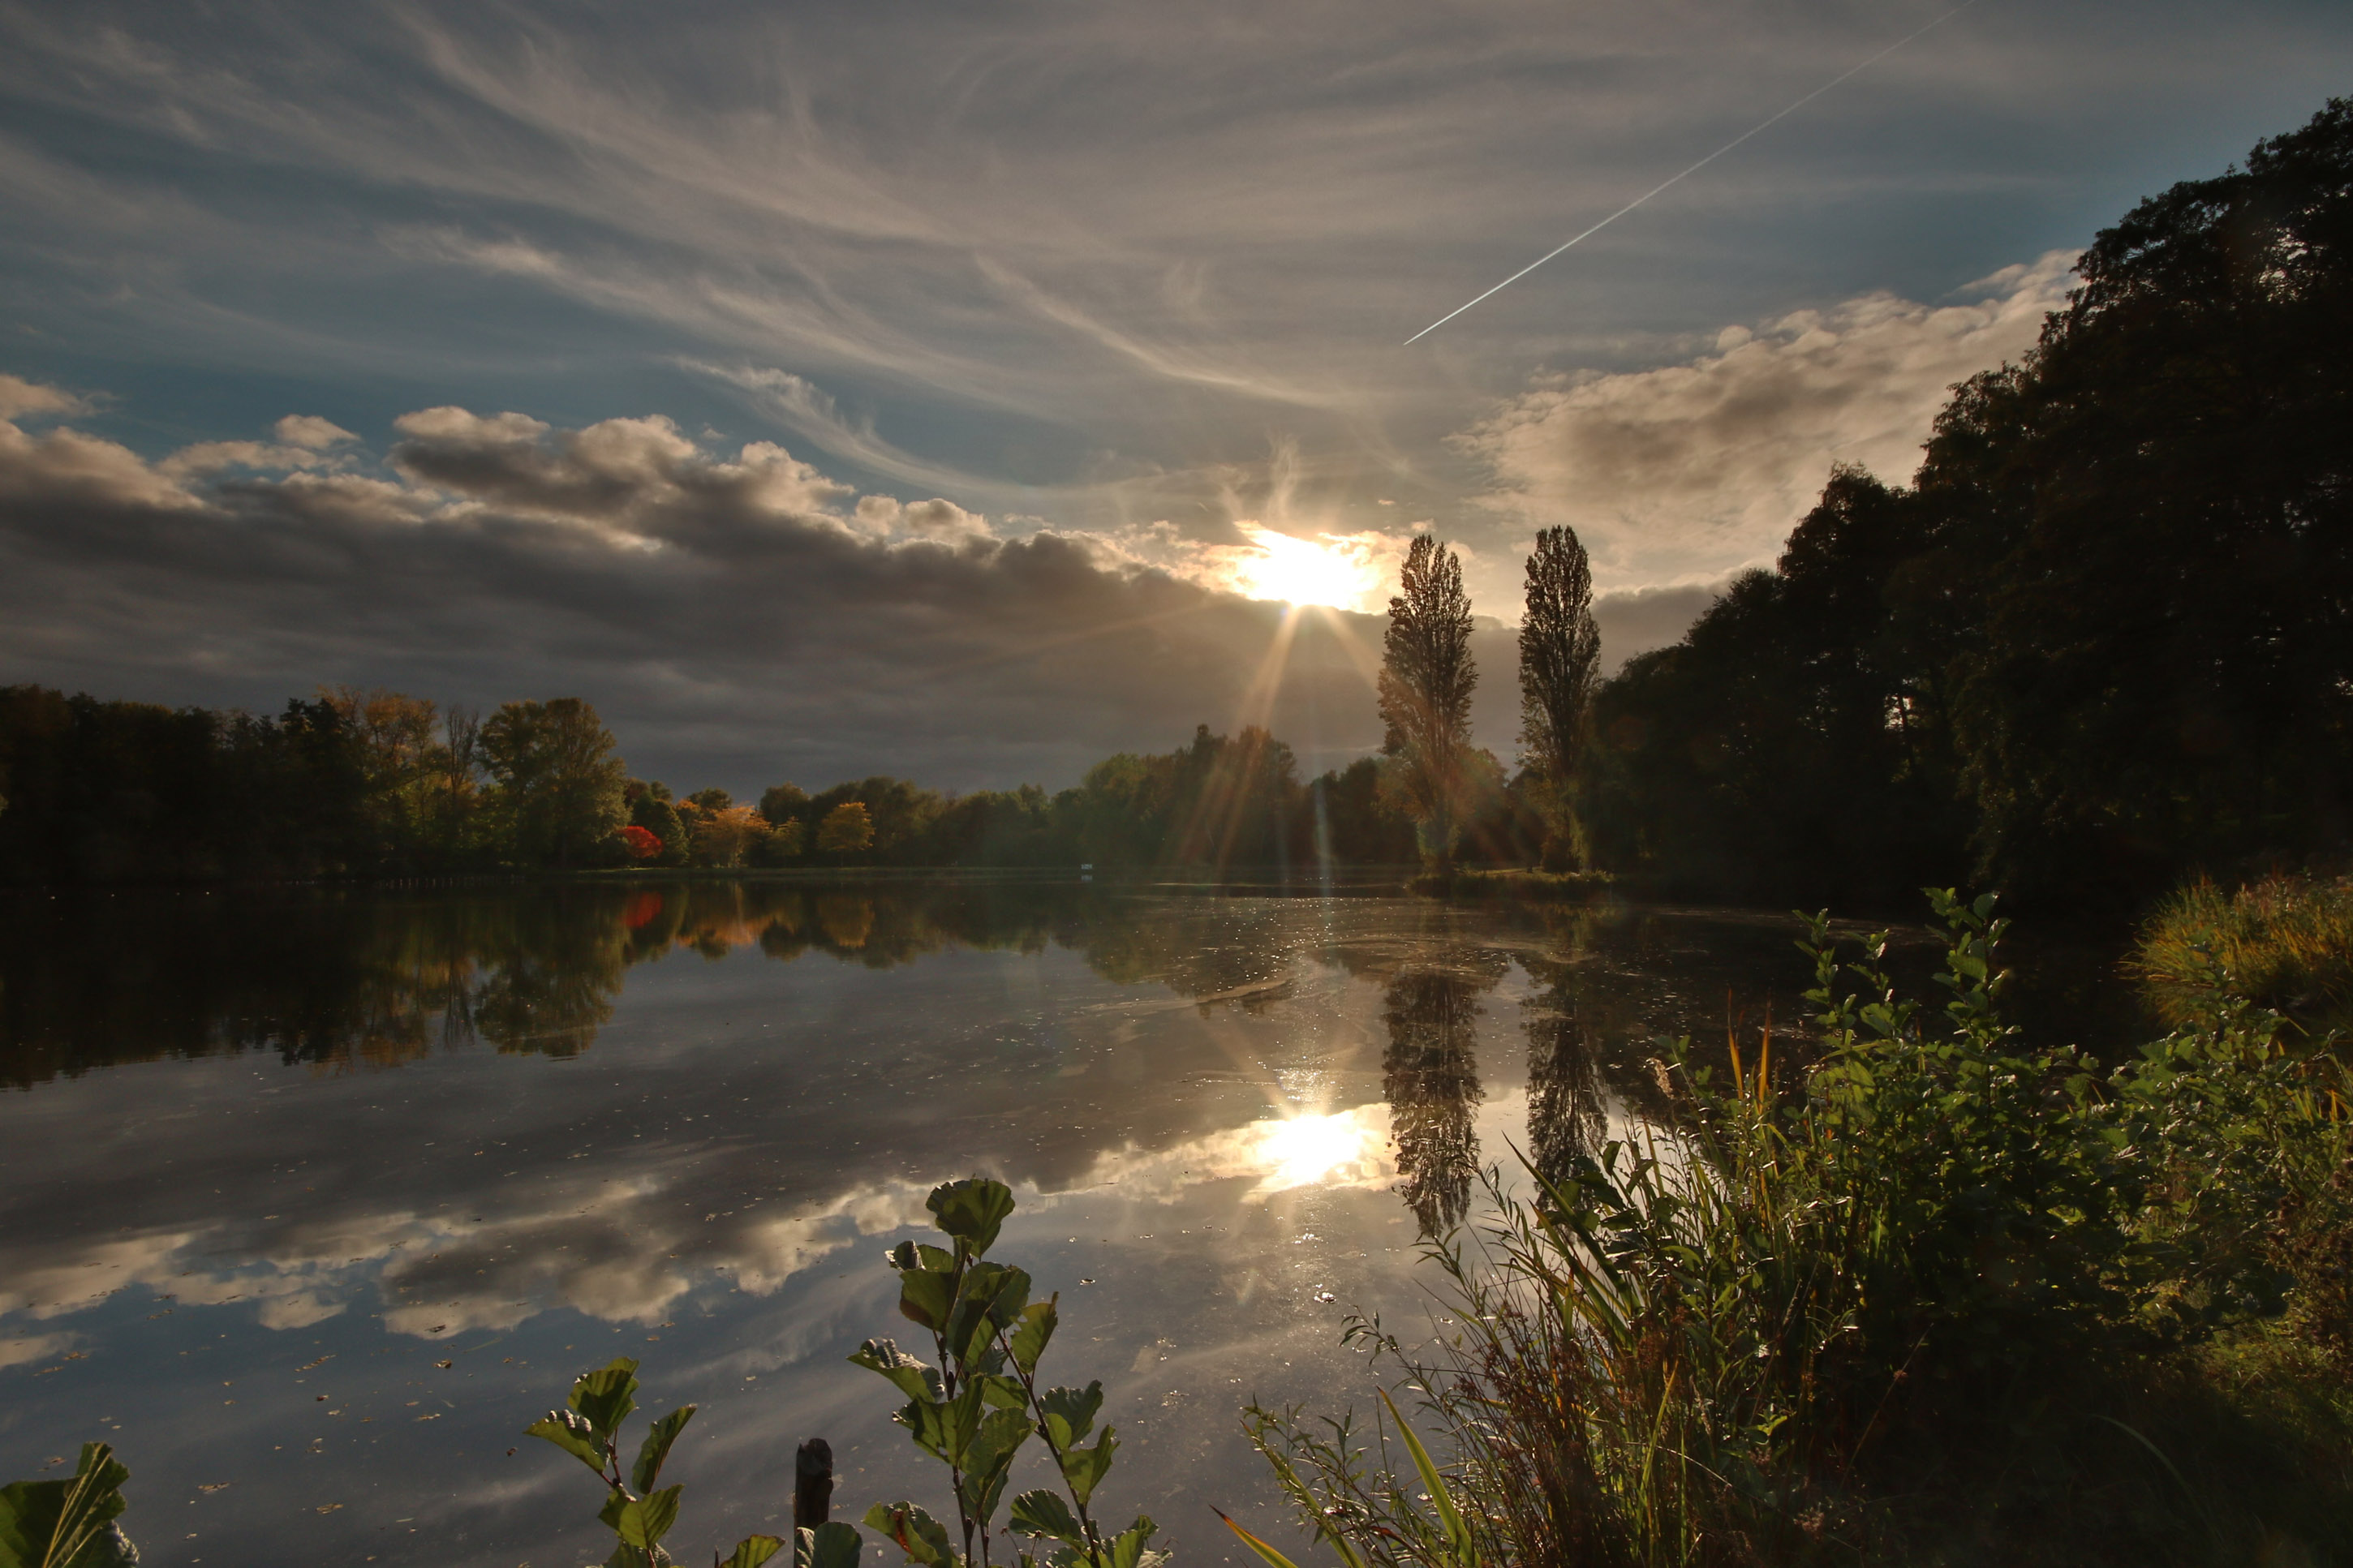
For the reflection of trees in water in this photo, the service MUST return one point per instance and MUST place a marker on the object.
(363, 978)
(333, 980)
(1566, 1117)
(1198, 952)
(1430, 1076)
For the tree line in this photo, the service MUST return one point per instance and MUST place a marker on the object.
(2104, 640)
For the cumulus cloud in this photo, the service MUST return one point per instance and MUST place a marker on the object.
(738, 614)
(1692, 470)
(20, 1349)
(19, 398)
(934, 518)
(212, 456)
(311, 432)
(54, 474)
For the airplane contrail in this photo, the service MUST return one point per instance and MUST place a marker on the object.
(1694, 169)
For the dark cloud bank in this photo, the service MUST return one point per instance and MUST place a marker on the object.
(736, 619)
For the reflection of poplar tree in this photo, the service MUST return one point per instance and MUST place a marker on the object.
(1565, 1114)
(1431, 1079)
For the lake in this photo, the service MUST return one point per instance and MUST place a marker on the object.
(313, 1199)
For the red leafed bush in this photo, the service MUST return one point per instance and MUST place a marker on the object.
(641, 842)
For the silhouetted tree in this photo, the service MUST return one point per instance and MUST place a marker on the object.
(1427, 677)
(1560, 661)
(1346, 819)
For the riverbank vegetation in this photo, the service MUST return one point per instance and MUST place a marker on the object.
(2284, 943)
(1943, 1295)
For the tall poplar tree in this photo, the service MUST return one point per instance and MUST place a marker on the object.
(1427, 676)
(1560, 662)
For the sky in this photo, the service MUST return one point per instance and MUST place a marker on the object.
(962, 392)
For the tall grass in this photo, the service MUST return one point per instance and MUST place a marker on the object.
(1806, 1317)
(2284, 943)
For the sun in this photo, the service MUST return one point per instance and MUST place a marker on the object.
(1329, 571)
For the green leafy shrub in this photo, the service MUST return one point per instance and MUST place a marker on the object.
(640, 1515)
(1688, 1348)
(975, 1405)
(973, 1411)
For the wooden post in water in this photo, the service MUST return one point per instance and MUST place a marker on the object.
(812, 1484)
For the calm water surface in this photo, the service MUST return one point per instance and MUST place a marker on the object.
(309, 1203)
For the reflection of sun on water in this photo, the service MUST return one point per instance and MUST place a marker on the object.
(1327, 570)
(1309, 1151)
(1345, 1149)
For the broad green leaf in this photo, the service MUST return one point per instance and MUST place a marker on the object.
(1458, 1533)
(932, 1426)
(1070, 1413)
(1084, 1468)
(1003, 1393)
(916, 1379)
(1000, 1434)
(1274, 1559)
(1043, 1512)
(644, 1521)
(1012, 1296)
(978, 1495)
(988, 1459)
(67, 1524)
(922, 1538)
(926, 1299)
(1127, 1546)
(606, 1396)
(755, 1550)
(657, 1447)
(570, 1431)
(972, 1210)
(832, 1545)
(992, 1297)
(1030, 1333)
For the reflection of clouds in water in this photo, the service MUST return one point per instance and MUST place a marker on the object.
(623, 1252)
(1344, 1149)
(24, 1348)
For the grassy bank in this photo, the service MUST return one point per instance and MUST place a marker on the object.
(2284, 943)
